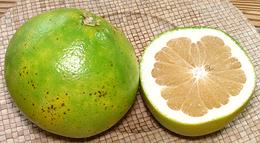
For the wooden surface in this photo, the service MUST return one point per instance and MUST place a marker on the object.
(250, 8)
(5, 4)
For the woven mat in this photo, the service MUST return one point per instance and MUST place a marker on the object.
(141, 21)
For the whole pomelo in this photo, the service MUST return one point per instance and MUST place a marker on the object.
(71, 72)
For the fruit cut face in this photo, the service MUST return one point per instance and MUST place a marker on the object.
(197, 77)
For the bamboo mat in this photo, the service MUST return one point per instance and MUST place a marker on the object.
(250, 8)
(140, 21)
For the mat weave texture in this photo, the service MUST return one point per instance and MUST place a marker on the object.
(141, 21)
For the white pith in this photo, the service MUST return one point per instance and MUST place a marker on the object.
(153, 90)
(199, 72)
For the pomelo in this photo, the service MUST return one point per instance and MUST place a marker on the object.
(71, 72)
(196, 79)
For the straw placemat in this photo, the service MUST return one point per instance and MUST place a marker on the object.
(141, 21)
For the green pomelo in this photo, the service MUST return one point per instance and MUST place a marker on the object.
(71, 72)
(175, 94)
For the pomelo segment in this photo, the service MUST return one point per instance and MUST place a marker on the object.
(196, 79)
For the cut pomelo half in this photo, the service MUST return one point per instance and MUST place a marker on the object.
(196, 79)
